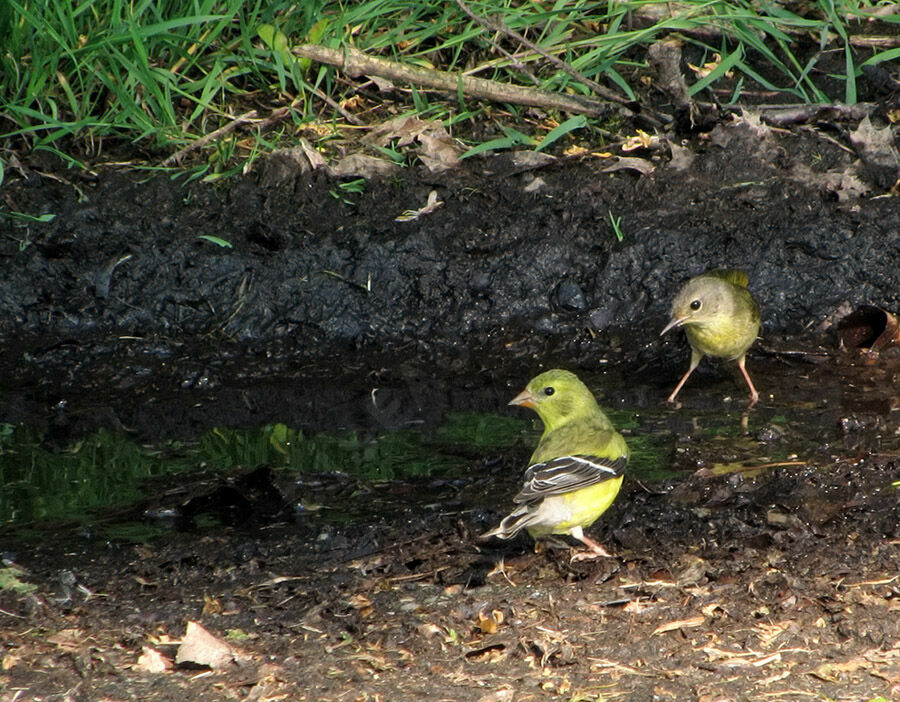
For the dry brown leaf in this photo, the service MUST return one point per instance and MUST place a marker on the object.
(362, 166)
(405, 129)
(152, 661)
(440, 152)
(621, 163)
(875, 145)
(199, 647)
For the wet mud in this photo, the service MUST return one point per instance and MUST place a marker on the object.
(762, 564)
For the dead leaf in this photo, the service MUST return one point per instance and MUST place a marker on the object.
(689, 623)
(621, 163)
(152, 661)
(879, 158)
(875, 145)
(199, 647)
(439, 152)
(363, 166)
(404, 129)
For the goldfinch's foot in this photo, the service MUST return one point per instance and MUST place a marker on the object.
(596, 550)
(588, 556)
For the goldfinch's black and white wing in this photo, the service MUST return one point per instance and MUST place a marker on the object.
(568, 473)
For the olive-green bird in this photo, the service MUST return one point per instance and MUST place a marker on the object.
(576, 470)
(720, 319)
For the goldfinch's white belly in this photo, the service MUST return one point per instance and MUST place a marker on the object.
(559, 514)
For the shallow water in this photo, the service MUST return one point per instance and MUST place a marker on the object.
(814, 408)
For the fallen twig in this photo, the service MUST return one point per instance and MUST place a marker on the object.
(207, 138)
(356, 63)
(787, 115)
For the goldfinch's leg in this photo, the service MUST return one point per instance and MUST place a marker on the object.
(754, 396)
(695, 361)
(596, 551)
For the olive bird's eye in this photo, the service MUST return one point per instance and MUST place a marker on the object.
(696, 305)
(549, 390)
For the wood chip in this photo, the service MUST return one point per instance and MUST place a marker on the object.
(680, 624)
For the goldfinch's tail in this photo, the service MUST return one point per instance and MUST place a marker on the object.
(512, 524)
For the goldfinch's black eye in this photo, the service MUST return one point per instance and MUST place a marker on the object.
(549, 390)
(696, 305)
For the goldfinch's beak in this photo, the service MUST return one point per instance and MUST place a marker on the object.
(673, 323)
(523, 399)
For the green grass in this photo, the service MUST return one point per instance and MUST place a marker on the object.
(157, 75)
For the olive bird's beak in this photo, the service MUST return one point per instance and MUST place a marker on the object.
(673, 323)
(523, 399)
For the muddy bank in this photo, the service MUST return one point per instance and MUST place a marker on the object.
(510, 253)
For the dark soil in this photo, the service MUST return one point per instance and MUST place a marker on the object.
(776, 584)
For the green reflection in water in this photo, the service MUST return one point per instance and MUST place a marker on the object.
(105, 469)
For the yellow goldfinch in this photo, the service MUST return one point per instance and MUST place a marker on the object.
(720, 319)
(576, 470)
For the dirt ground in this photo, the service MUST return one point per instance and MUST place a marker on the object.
(779, 586)
(778, 583)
